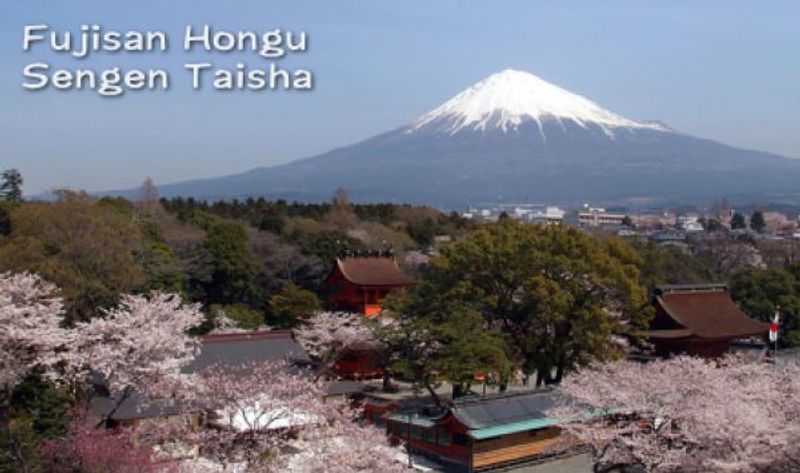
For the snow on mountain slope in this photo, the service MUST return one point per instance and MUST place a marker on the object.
(508, 98)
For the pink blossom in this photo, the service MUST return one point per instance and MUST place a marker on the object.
(687, 414)
(141, 340)
(31, 336)
(326, 334)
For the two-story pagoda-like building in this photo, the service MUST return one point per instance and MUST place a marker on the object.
(699, 320)
(360, 283)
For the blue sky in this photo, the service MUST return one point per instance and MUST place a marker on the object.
(727, 70)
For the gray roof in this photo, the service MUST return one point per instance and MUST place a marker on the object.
(238, 348)
(224, 349)
(490, 411)
(345, 387)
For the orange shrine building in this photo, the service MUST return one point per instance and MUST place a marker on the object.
(360, 283)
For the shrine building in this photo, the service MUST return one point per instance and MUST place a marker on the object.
(475, 433)
(360, 283)
(700, 320)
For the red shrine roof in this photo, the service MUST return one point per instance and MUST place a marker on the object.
(704, 311)
(372, 271)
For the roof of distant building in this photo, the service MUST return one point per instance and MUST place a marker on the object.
(373, 271)
(483, 412)
(217, 349)
(704, 310)
(488, 416)
(235, 348)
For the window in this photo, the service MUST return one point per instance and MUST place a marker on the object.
(427, 435)
(399, 430)
(416, 432)
(442, 437)
(460, 439)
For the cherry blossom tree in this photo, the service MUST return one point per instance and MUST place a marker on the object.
(270, 417)
(686, 415)
(255, 406)
(325, 335)
(141, 345)
(87, 449)
(31, 336)
(341, 445)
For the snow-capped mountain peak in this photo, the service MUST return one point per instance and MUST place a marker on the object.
(508, 98)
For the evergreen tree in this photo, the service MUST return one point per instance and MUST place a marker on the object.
(11, 187)
(738, 222)
(233, 271)
(291, 305)
(713, 225)
(757, 222)
(558, 297)
(5, 220)
(762, 292)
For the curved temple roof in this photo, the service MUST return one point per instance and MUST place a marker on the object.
(373, 271)
(705, 311)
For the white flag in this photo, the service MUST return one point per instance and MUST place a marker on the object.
(773, 328)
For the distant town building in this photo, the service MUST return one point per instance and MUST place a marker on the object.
(677, 238)
(549, 216)
(598, 217)
(531, 213)
(360, 283)
(689, 223)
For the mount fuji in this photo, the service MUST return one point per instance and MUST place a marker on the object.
(514, 137)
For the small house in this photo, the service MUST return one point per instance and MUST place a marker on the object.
(478, 433)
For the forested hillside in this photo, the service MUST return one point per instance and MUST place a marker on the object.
(237, 255)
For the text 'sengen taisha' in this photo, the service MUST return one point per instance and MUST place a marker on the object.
(267, 47)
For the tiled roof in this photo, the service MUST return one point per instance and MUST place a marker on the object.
(373, 271)
(705, 311)
(224, 349)
(493, 411)
(237, 348)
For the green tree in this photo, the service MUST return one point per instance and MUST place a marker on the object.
(243, 315)
(158, 260)
(89, 251)
(5, 220)
(11, 186)
(233, 271)
(738, 222)
(627, 221)
(672, 265)
(757, 222)
(326, 245)
(762, 292)
(448, 342)
(18, 447)
(291, 304)
(559, 297)
(48, 408)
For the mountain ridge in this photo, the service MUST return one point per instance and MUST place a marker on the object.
(516, 137)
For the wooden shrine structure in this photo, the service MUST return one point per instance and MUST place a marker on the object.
(699, 320)
(360, 283)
